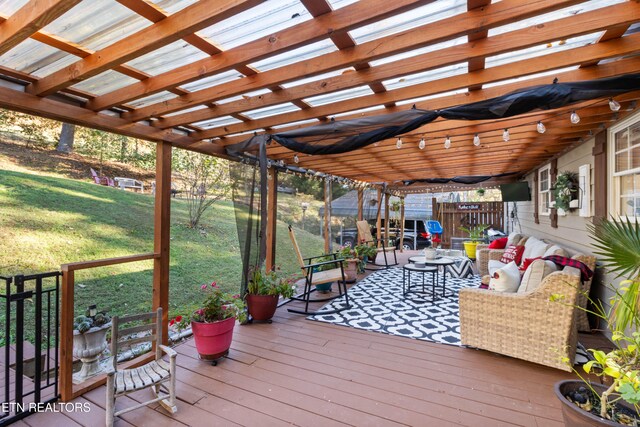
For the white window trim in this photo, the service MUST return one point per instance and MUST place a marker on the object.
(613, 189)
(541, 193)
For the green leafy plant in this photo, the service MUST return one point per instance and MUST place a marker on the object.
(365, 250)
(565, 189)
(84, 323)
(476, 233)
(263, 282)
(216, 306)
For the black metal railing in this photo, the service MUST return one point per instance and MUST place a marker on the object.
(29, 359)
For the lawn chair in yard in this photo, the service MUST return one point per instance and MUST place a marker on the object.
(102, 180)
(314, 277)
(155, 375)
(134, 184)
(365, 237)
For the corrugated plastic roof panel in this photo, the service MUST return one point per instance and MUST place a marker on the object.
(272, 110)
(36, 58)
(173, 6)
(217, 122)
(152, 99)
(339, 96)
(9, 7)
(211, 81)
(167, 58)
(105, 82)
(426, 76)
(296, 55)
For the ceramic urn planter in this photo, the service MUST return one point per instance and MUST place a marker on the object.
(88, 347)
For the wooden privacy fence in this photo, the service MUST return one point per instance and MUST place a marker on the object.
(452, 216)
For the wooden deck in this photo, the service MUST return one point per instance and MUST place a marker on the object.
(296, 371)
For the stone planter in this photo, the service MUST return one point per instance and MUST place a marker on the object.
(88, 347)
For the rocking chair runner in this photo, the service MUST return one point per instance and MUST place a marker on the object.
(313, 278)
(154, 374)
(365, 237)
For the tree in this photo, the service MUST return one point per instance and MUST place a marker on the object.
(67, 134)
(205, 180)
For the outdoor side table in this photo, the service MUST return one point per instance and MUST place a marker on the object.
(407, 269)
(437, 263)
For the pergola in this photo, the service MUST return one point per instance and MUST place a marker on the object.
(201, 75)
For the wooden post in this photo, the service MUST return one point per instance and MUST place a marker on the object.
(360, 204)
(386, 219)
(402, 225)
(66, 335)
(272, 201)
(599, 177)
(161, 234)
(327, 215)
(553, 175)
(378, 218)
(536, 201)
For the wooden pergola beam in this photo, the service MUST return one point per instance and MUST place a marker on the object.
(457, 26)
(29, 19)
(175, 27)
(344, 19)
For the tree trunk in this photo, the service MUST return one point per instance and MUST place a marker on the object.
(65, 144)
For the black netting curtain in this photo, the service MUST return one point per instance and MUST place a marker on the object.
(337, 137)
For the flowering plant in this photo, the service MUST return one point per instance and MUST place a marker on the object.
(436, 240)
(217, 306)
(263, 282)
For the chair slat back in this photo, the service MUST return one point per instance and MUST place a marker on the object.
(296, 248)
(364, 232)
(120, 336)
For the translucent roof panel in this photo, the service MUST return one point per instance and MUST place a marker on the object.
(421, 51)
(217, 122)
(551, 75)
(296, 55)
(552, 16)
(173, 6)
(36, 58)
(428, 97)
(243, 96)
(360, 111)
(426, 76)
(317, 78)
(257, 22)
(187, 110)
(338, 4)
(105, 82)
(272, 110)
(9, 7)
(167, 58)
(540, 50)
(216, 79)
(152, 99)
(95, 24)
(299, 123)
(432, 12)
(339, 96)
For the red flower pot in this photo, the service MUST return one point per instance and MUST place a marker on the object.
(262, 307)
(213, 339)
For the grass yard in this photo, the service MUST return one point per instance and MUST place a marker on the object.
(47, 220)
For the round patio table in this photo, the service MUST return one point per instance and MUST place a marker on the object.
(437, 263)
(407, 269)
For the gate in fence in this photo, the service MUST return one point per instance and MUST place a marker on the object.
(28, 343)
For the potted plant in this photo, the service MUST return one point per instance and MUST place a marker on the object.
(365, 253)
(89, 341)
(476, 233)
(212, 324)
(616, 402)
(480, 192)
(565, 189)
(351, 262)
(263, 291)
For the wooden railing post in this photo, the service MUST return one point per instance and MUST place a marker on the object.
(66, 334)
(272, 201)
(402, 225)
(387, 196)
(360, 204)
(161, 234)
(378, 218)
(327, 215)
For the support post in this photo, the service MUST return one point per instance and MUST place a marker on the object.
(360, 204)
(66, 335)
(327, 215)
(378, 218)
(600, 177)
(402, 225)
(553, 175)
(161, 234)
(386, 219)
(272, 200)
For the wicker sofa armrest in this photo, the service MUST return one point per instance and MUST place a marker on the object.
(527, 326)
(483, 256)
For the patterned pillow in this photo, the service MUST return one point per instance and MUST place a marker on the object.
(506, 279)
(513, 253)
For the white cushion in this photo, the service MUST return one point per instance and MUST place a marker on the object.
(536, 271)
(494, 265)
(555, 250)
(513, 239)
(529, 245)
(506, 279)
(539, 250)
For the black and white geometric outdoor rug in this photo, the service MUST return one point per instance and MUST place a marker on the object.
(377, 304)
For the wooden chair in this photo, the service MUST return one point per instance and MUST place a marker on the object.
(155, 374)
(365, 237)
(313, 278)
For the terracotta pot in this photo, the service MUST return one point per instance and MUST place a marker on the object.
(213, 339)
(574, 416)
(351, 270)
(262, 307)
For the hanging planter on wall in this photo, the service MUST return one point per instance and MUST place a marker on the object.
(565, 190)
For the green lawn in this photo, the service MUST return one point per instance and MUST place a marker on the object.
(48, 220)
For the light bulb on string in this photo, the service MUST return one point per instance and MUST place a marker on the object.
(505, 135)
(575, 118)
(421, 144)
(476, 140)
(614, 105)
(399, 143)
(541, 128)
(296, 159)
(447, 143)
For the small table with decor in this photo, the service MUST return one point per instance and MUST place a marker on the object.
(407, 287)
(437, 263)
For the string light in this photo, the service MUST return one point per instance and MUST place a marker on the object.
(476, 140)
(399, 143)
(541, 128)
(447, 143)
(421, 144)
(575, 118)
(505, 135)
(614, 105)
(296, 159)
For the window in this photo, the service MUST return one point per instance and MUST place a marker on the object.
(544, 189)
(624, 178)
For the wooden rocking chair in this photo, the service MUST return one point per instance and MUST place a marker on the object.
(313, 278)
(365, 237)
(155, 374)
